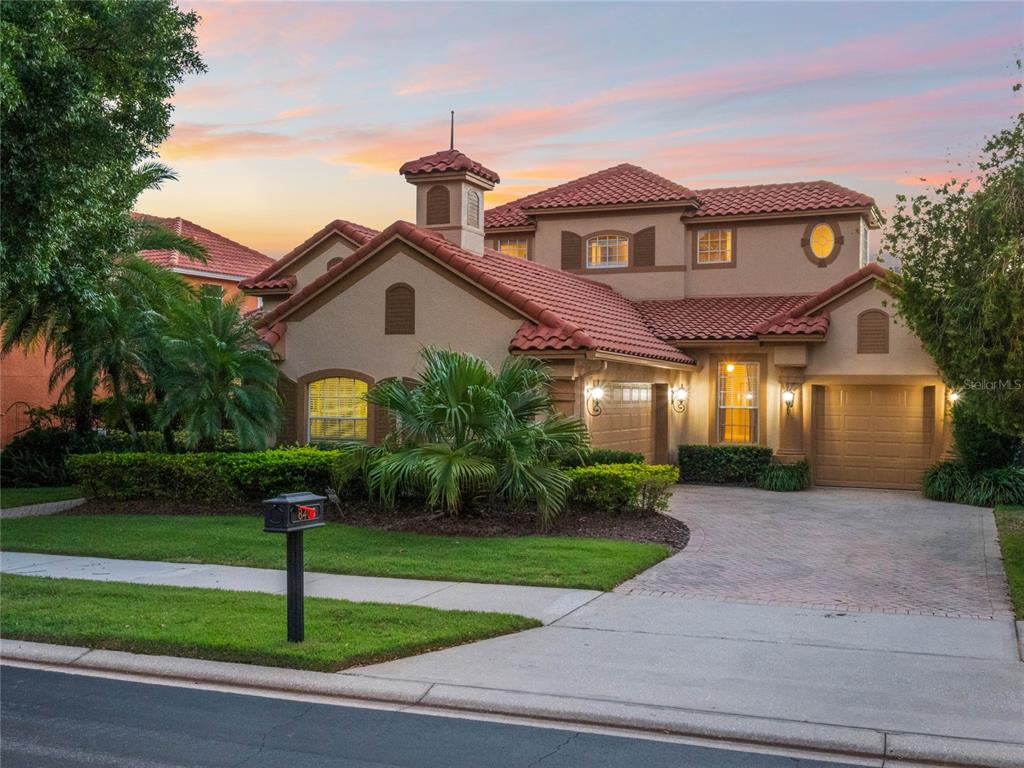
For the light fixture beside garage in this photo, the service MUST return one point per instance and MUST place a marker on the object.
(679, 398)
(594, 396)
(788, 398)
(954, 396)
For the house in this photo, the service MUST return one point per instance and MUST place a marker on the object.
(669, 315)
(24, 376)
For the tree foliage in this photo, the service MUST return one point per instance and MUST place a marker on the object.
(84, 99)
(960, 286)
(464, 431)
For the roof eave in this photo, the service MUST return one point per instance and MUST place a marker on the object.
(659, 205)
(795, 214)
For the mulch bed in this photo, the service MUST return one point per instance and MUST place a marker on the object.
(650, 528)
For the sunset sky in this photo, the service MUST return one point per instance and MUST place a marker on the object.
(308, 109)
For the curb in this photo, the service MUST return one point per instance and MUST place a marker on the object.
(763, 731)
(38, 510)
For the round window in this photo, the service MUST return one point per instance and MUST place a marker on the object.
(823, 241)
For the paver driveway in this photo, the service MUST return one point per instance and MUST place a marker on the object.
(836, 549)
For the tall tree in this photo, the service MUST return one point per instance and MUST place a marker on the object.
(84, 98)
(960, 286)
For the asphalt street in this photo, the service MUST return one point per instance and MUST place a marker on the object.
(56, 719)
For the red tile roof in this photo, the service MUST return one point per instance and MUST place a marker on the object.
(223, 256)
(357, 233)
(565, 311)
(625, 184)
(715, 317)
(447, 161)
(778, 198)
(283, 283)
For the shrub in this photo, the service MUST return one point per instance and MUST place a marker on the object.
(977, 445)
(603, 456)
(723, 464)
(785, 477)
(623, 488)
(951, 481)
(37, 456)
(203, 477)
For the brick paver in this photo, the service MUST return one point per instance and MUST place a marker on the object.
(846, 550)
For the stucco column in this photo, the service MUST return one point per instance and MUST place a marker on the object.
(791, 418)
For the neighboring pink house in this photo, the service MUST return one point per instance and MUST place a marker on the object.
(24, 376)
(668, 315)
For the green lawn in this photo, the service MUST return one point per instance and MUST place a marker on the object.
(1010, 521)
(247, 627)
(336, 548)
(17, 497)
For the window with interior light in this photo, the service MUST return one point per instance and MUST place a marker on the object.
(823, 240)
(607, 251)
(517, 247)
(738, 402)
(714, 246)
(337, 409)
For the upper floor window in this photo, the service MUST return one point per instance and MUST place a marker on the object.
(607, 251)
(473, 208)
(337, 409)
(714, 246)
(821, 242)
(517, 247)
(865, 252)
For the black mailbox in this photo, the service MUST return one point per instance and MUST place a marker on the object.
(293, 512)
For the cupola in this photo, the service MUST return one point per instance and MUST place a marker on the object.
(450, 191)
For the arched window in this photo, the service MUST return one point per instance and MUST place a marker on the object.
(872, 332)
(399, 309)
(337, 409)
(473, 208)
(438, 205)
(607, 251)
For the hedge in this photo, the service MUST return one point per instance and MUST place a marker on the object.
(785, 477)
(605, 456)
(623, 488)
(952, 481)
(723, 464)
(203, 477)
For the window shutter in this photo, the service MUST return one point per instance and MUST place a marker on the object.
(289, 392)
(438, 205)
(643, 248)
(383, 422)
(572, 251)
(399, 310)
(872, 332)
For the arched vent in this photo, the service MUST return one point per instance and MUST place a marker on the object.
(439, 205)
(473, 208)
(872, 332)
(399, 310)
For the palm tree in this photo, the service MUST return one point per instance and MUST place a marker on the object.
(217, 372)
(464, 430)
(62, 316)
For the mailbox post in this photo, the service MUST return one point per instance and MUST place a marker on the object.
(291, 514)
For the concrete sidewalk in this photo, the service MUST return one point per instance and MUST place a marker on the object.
(545, 604)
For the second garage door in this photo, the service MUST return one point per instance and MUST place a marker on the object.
(872, 436)
(626, 422)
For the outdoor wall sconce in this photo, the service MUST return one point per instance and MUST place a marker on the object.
(953, 397)
(730, 367)
(679, 398)
(788, 398)
(594, 397)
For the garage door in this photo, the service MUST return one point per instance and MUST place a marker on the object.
(872, 437)
(626, 422)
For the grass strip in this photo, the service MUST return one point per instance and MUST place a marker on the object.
(245, 627)
(337, 548)
(19, 497)
(1010, 522)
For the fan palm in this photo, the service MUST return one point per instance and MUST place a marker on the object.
(216, 372)
(463, 429)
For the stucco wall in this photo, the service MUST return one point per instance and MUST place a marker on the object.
(668, 249)
(839, 354)
(314, 263)
(770, 259)
(347, 330)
